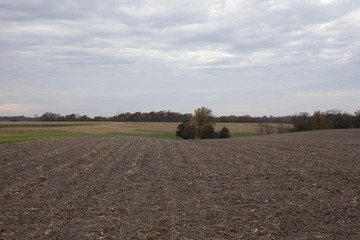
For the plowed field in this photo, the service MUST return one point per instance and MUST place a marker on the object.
(286, 186)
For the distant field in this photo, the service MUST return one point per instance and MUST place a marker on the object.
(11, 132)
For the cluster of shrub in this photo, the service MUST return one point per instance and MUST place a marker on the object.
(201, 126)
(189, 130)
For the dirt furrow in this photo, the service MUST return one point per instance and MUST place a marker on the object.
(61, 193)
(220, 214)
(273, 187)
(102, 183)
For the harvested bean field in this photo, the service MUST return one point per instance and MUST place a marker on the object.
(284, 186)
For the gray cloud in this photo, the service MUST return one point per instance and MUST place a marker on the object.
(239, 57)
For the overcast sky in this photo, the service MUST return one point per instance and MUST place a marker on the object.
(103, 57)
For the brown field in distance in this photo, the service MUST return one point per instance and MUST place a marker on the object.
(117, 127)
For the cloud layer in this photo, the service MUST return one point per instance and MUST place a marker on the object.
(237, 57)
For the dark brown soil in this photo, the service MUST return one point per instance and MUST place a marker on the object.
(289, 186)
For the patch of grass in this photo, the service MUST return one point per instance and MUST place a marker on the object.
(243, 134)
(146, 133)
(35, 136)
(42, 125)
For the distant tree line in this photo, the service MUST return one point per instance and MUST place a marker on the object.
(331, 119)
(160, 116)
(50, 117)
(303, 121)
(249, 119)
(16, 119)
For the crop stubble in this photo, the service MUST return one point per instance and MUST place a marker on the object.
(289, 186)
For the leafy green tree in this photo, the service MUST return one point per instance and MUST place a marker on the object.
(319, 121)
(203, 116)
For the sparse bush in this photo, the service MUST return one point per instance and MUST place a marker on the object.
(268, 129)
(265, 128)
(261, 128)
(282, 129)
